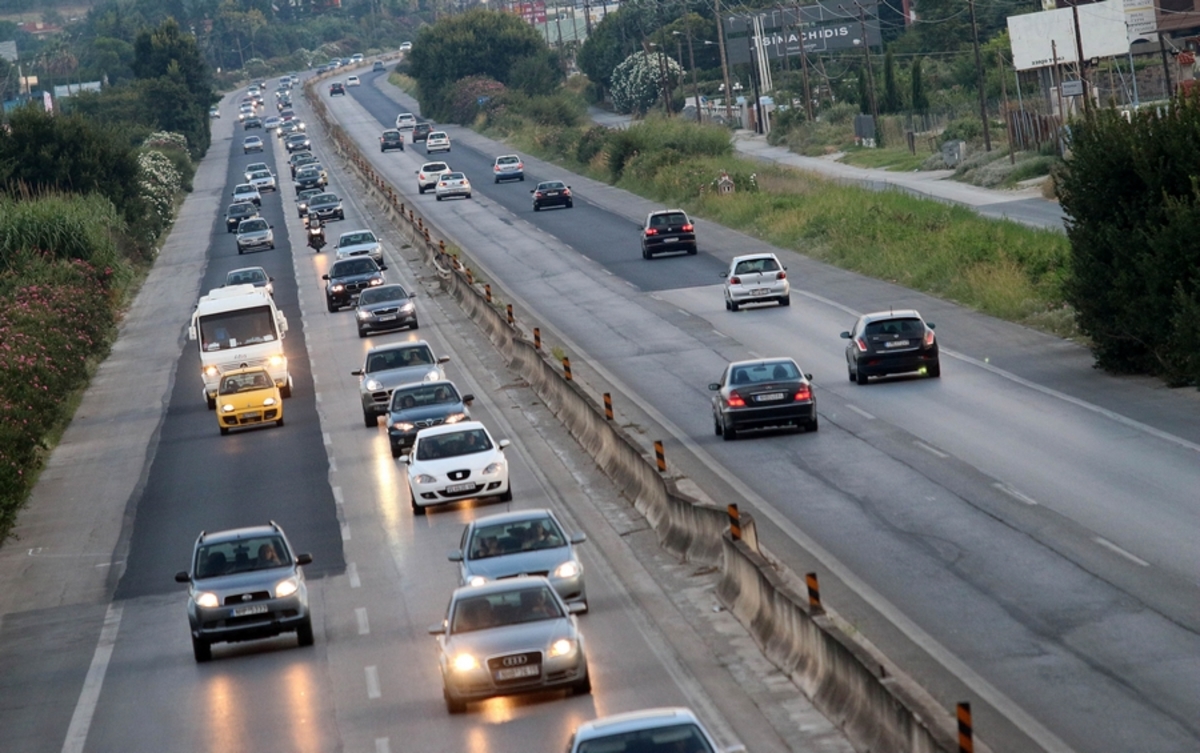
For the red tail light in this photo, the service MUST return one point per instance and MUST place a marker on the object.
(688, 228)
(566, 192)
(862, 345)
(538, 195)
(803, 394)
(735, 401)
(781, 276)
(928, 337)
(735, 280)
(651, 231)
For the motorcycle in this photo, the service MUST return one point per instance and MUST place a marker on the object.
(316, 233)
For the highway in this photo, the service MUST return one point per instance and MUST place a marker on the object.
(1020, 533)
(94, 647)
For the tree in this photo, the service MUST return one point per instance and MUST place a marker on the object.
(176, 82)
(864, 96)
(637, 82)
(920, 100)
(892, 99)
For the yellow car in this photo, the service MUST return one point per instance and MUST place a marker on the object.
(247, 397)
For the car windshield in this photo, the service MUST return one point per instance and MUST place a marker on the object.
(308, 172)
(245, 277)
(245, 188)
(233, 328)
(551, 186)
(241, 209)
(507, 161)
(769, 371)
(663, 220)
(399, 358)
(511, 538)
(454, 176)
(325, 198)
(361, 266)
(902, 327)
(245, 382)
(383, 294)
(354, 239)
(424, 396)
(672, 739)
(256, 166)
(442, 446)
(240, 556)
(436, 167)
(391, 135)
(437, 135)
(252, 226)
(751, 266)
(261, 174)
(507, 608)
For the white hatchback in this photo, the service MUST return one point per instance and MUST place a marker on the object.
(437, 141)
(756, 278)
(353, 81)
(406, 121)
(455, 462)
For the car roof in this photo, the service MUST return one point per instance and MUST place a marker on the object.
(667, 211)
(394, 346)
(511, 517)
(498, 586)
(896, 314)
(633, 721)
(761, 361)
(249, 532)
(434, 431)
(432, 165)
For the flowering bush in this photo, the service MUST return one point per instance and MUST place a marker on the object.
(159, 183)
(168, 139)
(637, 81)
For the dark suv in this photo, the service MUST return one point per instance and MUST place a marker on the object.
(349, 277)
(391, 139)
(421, 131)
(243, 210)
(245, 583)
(337, 87)
(891, 342)
(668, 230)
(417, 406)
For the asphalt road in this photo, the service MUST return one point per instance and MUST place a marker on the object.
(1020, 533)
(89, 675)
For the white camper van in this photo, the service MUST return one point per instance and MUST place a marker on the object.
(236, 327)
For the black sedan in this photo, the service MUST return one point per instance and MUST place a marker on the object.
(668, 230)
(327, 206)
(243, 210)
(421, 405)
(763, 394)
(309, 177)
(348, 278)
(552, 193)
(385, 307)
(891, 342)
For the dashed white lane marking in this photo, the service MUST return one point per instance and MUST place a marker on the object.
(352, 574)
(333, 467)
(345, 531)
(364, 627)
(753, 354)
(317, 396)
(861, 412)
(719, 333)
(931, 450)
(326, 439)
(1015, 494)
(382, 745)
(1118, 550)
(338, 499)
(373, 682)
(85, 708)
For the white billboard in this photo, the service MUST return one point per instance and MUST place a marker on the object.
(1035, 37)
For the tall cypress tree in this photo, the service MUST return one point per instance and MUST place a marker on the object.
(892, 100)
(920, 100)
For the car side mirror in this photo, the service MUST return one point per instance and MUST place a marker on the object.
(324, 277)
(503, 443)
(182, 577)
(714, 386)
(382, 267)
(455, 556)
(270, 279)
(532, 190)
(579, 538)
(576, 608)
(437, 629)
(356, 372)
(845, 335)
(271, 227)
(468, 399)
(304, 559)
(931, 325)
(406, 459)
(809, 377)
(443, 359)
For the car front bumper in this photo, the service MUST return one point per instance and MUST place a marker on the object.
(426, 495)
(249, 416)
(480, 683)
(219, 624)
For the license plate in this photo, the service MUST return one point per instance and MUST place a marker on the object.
(251, 417)
(387, 318)
(453, 488)
(765, 397)
(511, 673)
(760, 291)
(249, 610)
(670, 240)
(896, 344)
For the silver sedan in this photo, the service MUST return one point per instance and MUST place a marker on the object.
(509, 637)
(524, 542)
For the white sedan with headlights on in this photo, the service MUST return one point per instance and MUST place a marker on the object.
(456, 462)
(508, 637)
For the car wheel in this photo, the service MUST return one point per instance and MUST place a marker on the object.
(439, 198)
(727, 304)
(692, 250)
(786, 300)
(396, 452)
(468, 196)
(279, 422)
(224, 430)
(362, 332)
(935, 370)
(330, 305)
(202, 650)
(850, 372)
(860, 378)
(304, 633)
(582, 687)
(454, 705)
(417, 509)
(212, 402)
(729, 433)
(370, 420)
(733, 305)
(341, 215)
(570, 204)
(239, 250)
(497, 180)
(645, 253)
(507, 496)
(420, 189)
(416, 324)
(272, 246)
(813, 425)
(522, 178)
(286, 390)
(537, 207)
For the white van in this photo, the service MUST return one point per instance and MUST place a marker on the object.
(237, 327)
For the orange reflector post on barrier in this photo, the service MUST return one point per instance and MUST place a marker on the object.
(510, 315)
(735, 521)
(487, 292)
(470, 277)
(814, 593)
(966, 735)
(608, 406)
(660, 457)
(567, 368)
(537, 338)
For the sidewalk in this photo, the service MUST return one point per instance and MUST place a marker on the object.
(1025, 206)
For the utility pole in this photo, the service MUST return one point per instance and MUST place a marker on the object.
(587, 17)
(724, 62)
(808, 106)
(1012, 157)
(1087, 86)
(862, 20)
(987, 137)
(752, 49)
(692, 62)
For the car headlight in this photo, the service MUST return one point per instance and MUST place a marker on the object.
(376, 281)
(211, 371)
(338, 288)
(465, 663)
(568, 569)
(364, 315)
(432, 376)
(454, 418)
(373, 385)
(408, 307)
(425, 478)
(561, 647)
(493, 468)
(285, 588)
(208, 600)
(275, 360)
(269, 401)
(403, 426)
(228, 408)
(476, 580)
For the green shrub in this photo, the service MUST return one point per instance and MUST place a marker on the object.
(591, 142)
(963, 129)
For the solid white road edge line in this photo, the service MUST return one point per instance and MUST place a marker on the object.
(81, 720)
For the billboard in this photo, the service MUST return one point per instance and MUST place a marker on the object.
(824, 26)
(1036, 36)
(532, 13)
(8, 51)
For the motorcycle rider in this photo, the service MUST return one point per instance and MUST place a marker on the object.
(316, 232)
